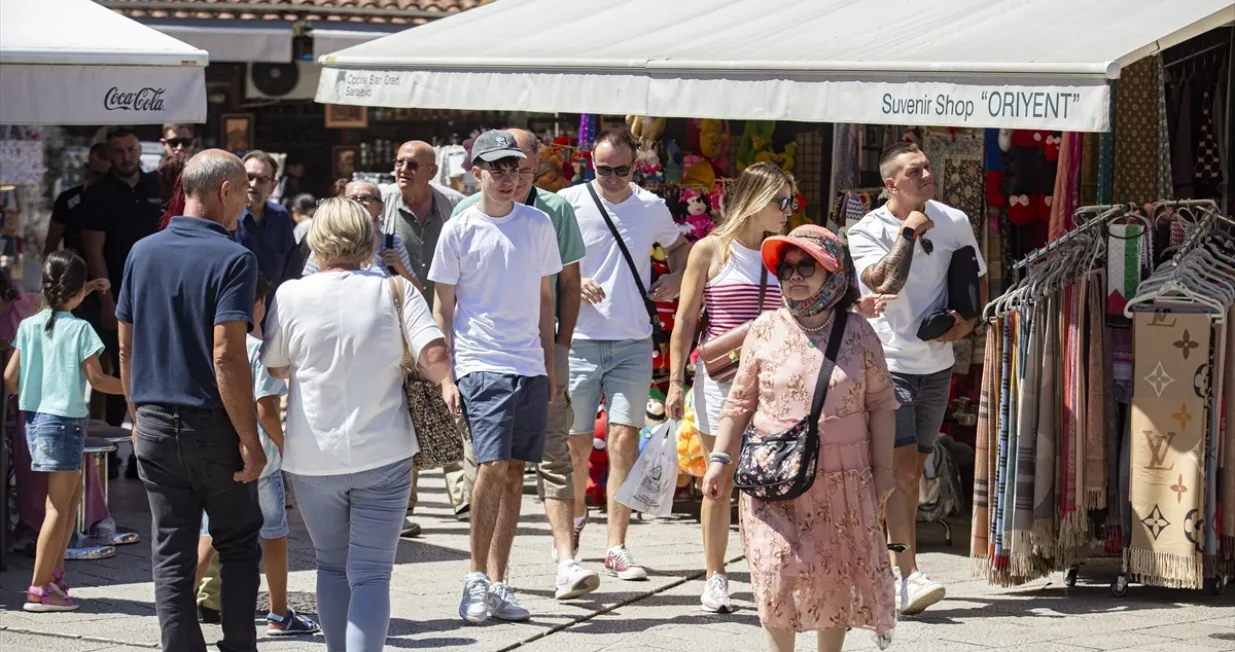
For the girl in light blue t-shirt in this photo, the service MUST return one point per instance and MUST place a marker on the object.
(55, 355)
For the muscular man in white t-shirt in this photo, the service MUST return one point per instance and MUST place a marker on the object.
(905, 248)
(611, 355)
(493, 273)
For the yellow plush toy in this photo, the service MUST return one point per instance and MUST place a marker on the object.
(645, 128)
(785, 159)
(690, 447)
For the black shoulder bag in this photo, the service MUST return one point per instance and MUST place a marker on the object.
(782, 466)
(657, 332)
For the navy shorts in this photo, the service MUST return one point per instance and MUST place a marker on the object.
(507, 415)
(55, 442)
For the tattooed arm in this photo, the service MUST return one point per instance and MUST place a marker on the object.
(889, 274)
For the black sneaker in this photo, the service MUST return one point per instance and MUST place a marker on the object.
(207, 615)
(464, 514)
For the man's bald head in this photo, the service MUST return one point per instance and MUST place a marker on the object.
(528, 142)
(367, 194)
(415, 167)
(530, 145)
(215, 184)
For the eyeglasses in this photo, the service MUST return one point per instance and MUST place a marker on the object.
(179, 143)
(927, 246)
(610, 171)
(410, 166)
(783, 203)
(364, 199)
(805, 268)
(260, 178)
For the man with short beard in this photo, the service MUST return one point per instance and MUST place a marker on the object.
(266, 228)
(178, 139)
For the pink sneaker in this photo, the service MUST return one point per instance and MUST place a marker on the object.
(621, 564)
(574, 539)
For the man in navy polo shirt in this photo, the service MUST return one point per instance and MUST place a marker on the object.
(184, 313)
(265, 227)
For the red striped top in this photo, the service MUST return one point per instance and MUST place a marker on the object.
(732, 297)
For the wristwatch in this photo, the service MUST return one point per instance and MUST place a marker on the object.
(909, 233)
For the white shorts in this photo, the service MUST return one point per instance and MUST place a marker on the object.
(709, 397)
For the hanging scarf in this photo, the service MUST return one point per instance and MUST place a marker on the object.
(832, 289)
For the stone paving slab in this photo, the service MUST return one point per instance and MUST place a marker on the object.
(654, 616)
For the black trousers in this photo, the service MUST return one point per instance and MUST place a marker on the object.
(186, 458)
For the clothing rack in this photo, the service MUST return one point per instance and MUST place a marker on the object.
(1202, 52)
(1107, 212)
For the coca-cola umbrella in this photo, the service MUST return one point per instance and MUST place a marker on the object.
(73, 62)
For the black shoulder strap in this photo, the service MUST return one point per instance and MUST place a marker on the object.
(630, 262)
(825, 369)
(763, 285)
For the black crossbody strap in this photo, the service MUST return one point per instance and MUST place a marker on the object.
(825, 370)
(763, 285)
(630, 262)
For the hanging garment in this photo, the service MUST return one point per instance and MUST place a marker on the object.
(1227, 474)
(1022, 558)
(1208, 160)
(1166, 189)
(1183, 159)
(1096, 384)
(1045, 505)
(1001, 512)
(1166, 457)
(980, 527)
(1136, 124)
(1125, 259)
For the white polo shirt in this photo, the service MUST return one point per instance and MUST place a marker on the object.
(926, 291)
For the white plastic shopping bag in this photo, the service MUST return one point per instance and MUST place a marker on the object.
(652, 481)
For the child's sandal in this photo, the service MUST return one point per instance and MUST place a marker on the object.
(58, 583)
(47, 600)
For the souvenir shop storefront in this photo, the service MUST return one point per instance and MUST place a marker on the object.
(96, 68)
(1095, 173)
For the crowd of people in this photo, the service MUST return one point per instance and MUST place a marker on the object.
(528, 311)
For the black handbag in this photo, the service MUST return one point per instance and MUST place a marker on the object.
(658, 333)
(782, 466)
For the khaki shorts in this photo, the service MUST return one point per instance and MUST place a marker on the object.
(553, 474)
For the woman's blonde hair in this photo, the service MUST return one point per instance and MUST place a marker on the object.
(342, 230)
(755, 188)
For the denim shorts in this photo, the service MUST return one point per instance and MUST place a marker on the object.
(507, 415)
(55, 442)
(272, 499)
(619, 370)
(924, 404)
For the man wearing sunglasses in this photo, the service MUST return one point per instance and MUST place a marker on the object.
(905, 248)
(266, 228)
(611, 355)
(179, 139)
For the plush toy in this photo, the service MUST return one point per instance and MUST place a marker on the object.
(690, 447)
(598, 462)
(581, 168)
(549, 170)
(648, 169)
(698, 171)
(1052, 147)
(756, 138)
(717, 199)
(696, 218)
(713, 137)
(785, 160)
(645, 128)
(673, 162)
(798, 218)
(665, 310)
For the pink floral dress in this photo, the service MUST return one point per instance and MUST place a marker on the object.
(819, 561)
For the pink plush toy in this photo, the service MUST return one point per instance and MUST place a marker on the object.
(698, 216)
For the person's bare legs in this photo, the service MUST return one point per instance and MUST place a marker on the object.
(831, 640)
(486, 505)
(507, 521)
(716, 517)
(779, 640)
(560, 513)
(623, 451)
(274, 560)
(580, 453)
(62, 488)
(68, 527)
(902, 507)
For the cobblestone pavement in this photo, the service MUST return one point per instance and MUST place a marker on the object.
(661, 614)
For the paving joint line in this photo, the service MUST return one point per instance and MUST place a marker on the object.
(74, 637)
(606, 610)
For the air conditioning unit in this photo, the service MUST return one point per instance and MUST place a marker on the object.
(282, 81)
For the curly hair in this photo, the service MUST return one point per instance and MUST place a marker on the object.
(64, 276)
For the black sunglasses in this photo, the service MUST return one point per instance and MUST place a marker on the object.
(179, 142)
(784, 203)
(609, 171)
(927, 246)
(805, 268)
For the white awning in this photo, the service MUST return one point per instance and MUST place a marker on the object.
(327, 40)
(71, 62)
(236, 42)
(1041, 64)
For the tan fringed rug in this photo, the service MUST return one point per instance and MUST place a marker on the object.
(1168, 448)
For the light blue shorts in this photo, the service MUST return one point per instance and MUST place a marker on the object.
(272, 499)
(619, 370)
(56, 443)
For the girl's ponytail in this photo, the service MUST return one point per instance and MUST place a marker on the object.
(64, 275)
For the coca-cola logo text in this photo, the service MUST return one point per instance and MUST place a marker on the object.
(146, 99)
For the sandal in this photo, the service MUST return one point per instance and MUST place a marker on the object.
(293, 624)
(46, 600)
(57, 583)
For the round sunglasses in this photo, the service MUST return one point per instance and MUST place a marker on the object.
(805, 268)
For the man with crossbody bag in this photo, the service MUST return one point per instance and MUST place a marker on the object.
(611, 353)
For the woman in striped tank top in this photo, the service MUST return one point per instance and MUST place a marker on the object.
(723, 277)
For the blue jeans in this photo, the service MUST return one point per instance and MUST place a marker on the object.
(354, 520)
(55, 442)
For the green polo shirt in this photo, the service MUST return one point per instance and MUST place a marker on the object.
(569, 239)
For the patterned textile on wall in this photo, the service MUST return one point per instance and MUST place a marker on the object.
(808, 170)
(844, 158)
(1169, 423)
(1106, 152)
(1166, 183)
(1135, 167)
(1089, 169)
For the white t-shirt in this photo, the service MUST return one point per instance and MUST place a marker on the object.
(643, 220)
(925, 292)
(338, 332)
(496, 265)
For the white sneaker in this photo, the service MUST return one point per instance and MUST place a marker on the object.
(920, 592)
(621, 564)
(504, 606)
(898, 589)
(715, 596)
(573, 580)
(474, 609)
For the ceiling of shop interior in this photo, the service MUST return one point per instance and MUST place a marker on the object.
(380, 12)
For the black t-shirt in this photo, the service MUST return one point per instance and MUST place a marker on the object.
(67, 213)
(124, 214)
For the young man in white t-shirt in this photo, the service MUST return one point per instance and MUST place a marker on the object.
(493, 272)
(611, 355)
(905, 248)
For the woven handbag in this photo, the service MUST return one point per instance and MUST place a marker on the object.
(440, 436)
